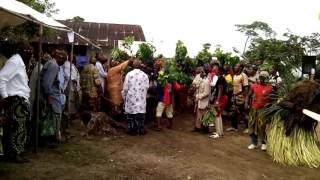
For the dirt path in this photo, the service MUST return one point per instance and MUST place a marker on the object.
(170, 154)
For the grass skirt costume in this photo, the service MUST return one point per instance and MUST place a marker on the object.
(257, 125)
(291, 134)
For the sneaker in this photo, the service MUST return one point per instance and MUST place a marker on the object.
(263, 147)
(246, 131)
(231, 129)
(252, 146)
(214, 136)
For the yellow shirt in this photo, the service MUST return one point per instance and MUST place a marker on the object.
(239, 81)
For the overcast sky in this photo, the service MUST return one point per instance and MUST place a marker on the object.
(196, 22)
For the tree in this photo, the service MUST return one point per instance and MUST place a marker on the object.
(28, 30)
(76, 19)
(204, 56)
(254, 29)
(312, 44)
(43, 6)
(286, 52)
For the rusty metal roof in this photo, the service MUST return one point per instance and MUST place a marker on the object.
(102, 34)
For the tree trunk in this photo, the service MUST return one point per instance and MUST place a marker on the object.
(245, 45)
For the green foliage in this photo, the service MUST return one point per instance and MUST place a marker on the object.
(204, 56)
(118, 54)
(181, 52)
(127, 43)
(253, 31)
(159, 56)
(20, 33)
(173, 73)
(76, 19)
(209, 117)
(254, 28)
(286, 54)
(182, 60)
(146, 52)
(226, 58)
(311, 44)
(28, 30)
(43, 6)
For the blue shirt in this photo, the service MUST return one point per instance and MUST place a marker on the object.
(50, 85)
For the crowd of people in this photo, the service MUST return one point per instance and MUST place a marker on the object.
(59, 96)
(237, 93)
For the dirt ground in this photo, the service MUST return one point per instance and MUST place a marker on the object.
(170, 154)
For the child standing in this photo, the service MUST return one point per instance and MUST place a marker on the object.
(257, 126)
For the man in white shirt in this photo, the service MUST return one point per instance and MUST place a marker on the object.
(134, 93)
(15, 92)
(102, 73)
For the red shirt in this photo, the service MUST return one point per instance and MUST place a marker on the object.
(261, 95)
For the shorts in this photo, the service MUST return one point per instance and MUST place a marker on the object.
(161, 107)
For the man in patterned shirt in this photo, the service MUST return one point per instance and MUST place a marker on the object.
(134, 93)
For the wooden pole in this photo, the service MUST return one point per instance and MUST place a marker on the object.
(70, 85)
(38, 90)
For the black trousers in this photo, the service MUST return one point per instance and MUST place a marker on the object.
(136, 123)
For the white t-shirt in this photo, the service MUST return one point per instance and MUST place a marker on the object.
(14, 78)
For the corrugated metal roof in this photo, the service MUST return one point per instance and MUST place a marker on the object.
(102, 34)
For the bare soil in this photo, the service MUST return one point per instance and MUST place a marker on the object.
(169, 154)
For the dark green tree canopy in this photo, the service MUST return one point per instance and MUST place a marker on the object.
(43, 6)
(285, 52)
(255, 28)
(27, 31)
(76, 19)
